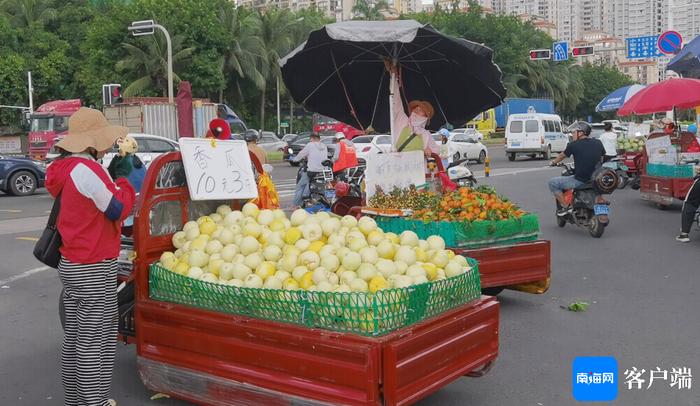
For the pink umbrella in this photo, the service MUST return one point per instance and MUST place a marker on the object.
(664, 96)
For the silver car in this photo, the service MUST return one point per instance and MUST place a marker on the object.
(270, 143)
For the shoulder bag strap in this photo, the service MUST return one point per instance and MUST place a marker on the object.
(405, 143)
(53, 217)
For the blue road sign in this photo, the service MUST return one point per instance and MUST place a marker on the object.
(643, 47)
(560, 51)
(670, 42)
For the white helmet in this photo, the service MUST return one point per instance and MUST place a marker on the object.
(339, 136)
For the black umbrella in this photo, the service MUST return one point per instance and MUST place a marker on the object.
(339, 72)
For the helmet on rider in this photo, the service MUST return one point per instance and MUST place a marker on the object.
(582, 126)
(339, 136)
(693, 128)
(250, 135)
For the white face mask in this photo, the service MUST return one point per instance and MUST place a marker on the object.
(418, 121)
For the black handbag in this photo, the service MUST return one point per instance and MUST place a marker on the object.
(46, 249)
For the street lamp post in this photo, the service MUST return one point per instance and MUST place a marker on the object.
(147, 27)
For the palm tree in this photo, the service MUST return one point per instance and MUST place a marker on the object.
(276, 29)
(244, 47)
(148, 61)
(370, 10)
(27, 13)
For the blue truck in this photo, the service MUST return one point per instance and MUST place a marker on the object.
(520, 106)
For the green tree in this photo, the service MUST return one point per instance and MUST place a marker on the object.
(243, 47)
(370, 10)
(599, 81)
(147, 62)
(276, 27)
(28, 13)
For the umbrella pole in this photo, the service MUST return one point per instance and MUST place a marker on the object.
(392, 89)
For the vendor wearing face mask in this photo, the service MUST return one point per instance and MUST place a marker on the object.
(409, 132)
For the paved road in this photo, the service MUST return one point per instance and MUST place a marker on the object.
(641, 284)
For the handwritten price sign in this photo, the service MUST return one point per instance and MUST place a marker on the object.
(400, 169)
(219, 170)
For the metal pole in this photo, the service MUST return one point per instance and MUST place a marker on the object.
(391, 106)
(291, 115)
(170, 61)
(31, 90)
(279, 120)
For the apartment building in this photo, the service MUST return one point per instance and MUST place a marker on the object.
(684, 17)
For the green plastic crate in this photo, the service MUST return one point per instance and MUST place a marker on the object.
(474, 234)
(361, 313)
(671, 171)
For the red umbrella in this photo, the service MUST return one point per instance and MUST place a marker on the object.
(664, 96)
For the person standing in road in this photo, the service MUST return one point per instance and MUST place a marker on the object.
(315, 152)
(444, 150)
(251, 138)
(609, 140)
(588, 154)
(89, 222)
(691, 205)
(345, 155)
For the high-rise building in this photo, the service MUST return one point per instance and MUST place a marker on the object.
(684, 17)
(636, 18)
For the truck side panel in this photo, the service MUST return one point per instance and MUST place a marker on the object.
(512, 264)
(519, 106)
(427, 359)
(160, 119)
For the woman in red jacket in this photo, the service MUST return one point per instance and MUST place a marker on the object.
(92, 209)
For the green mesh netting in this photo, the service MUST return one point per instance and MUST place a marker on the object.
(467, 234)
(362, 313)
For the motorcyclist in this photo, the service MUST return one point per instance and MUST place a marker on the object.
(315, 152)
(251, 138)
(344, 156)
(588, 154)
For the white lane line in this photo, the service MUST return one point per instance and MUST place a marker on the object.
(5, 282)
(516, 172)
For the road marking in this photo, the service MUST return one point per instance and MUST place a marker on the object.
(10, 211)
(23, 275)
(35, 239)
(516, 172)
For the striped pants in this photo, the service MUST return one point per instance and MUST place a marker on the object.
(90, 335)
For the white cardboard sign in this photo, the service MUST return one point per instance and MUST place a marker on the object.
(400, 169)
(218, 170)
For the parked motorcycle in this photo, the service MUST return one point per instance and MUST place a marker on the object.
(460, 173)
(588, 212)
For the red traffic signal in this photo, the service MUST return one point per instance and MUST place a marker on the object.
(538, 54)
(582, 51)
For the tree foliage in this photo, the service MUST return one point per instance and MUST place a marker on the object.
(231, 54)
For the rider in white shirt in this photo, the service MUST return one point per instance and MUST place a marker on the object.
(609, 140)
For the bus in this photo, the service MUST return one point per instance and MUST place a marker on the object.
(325, 126)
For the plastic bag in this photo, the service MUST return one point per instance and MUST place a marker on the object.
(267, 194)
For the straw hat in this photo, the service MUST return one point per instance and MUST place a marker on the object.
(88, 128)
(426, 106)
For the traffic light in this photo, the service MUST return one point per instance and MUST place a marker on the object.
(582, 51)
(111, 94)
(537, 54)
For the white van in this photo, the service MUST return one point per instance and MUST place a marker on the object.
(534, 134)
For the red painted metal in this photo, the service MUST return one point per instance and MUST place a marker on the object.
(397, 368)
(512, 264)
